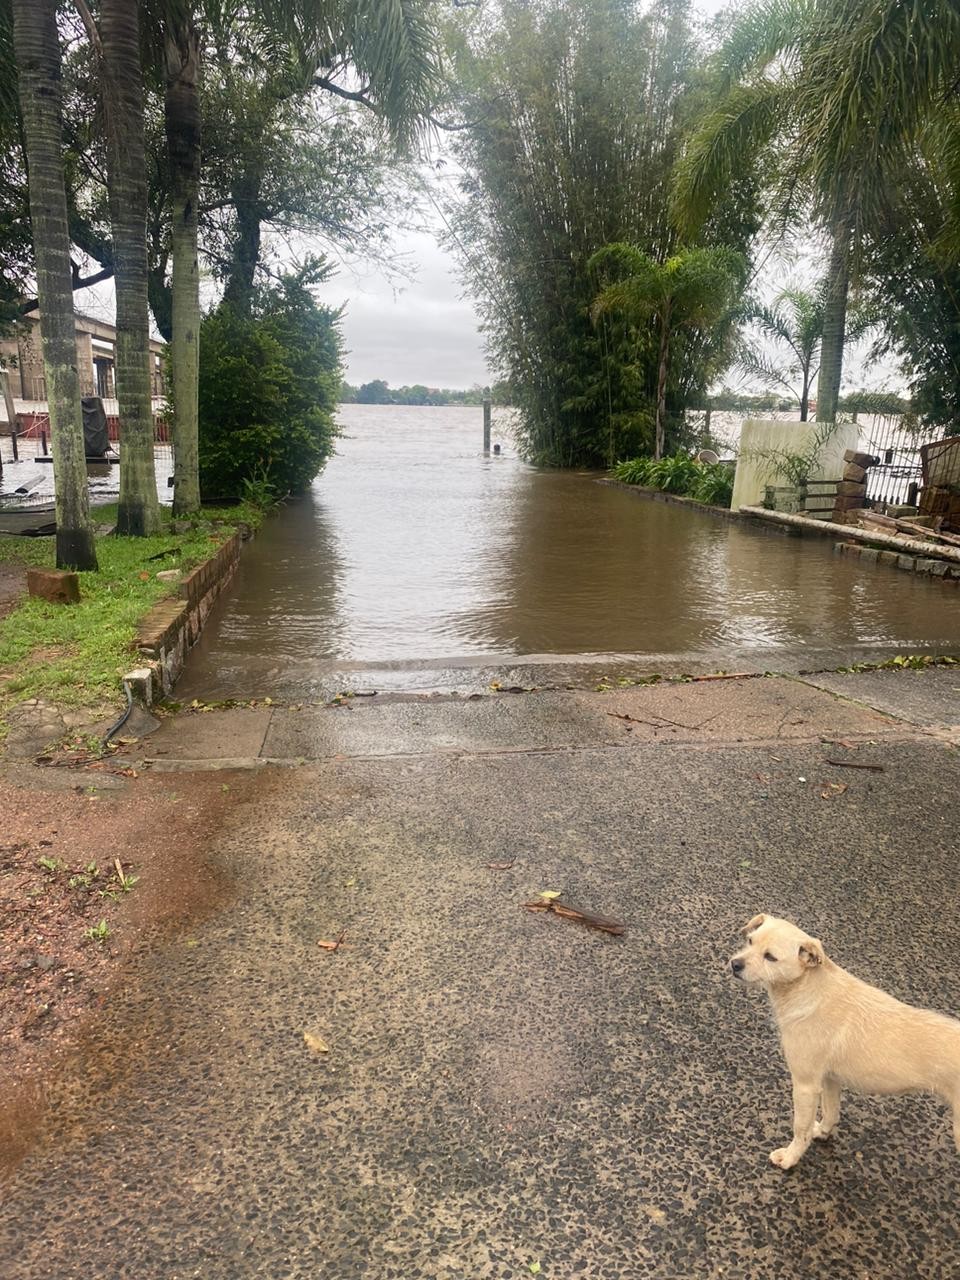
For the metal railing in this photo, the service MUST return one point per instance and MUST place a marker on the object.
(897, 477)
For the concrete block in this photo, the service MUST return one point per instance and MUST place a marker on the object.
(860, 459)
(907, 562)
(851, 489)
(854, 472)
(140, 684)
(888, 557)
(903, 510)
(870, 554)
(56, 585)
(940, 569)
(847, 502)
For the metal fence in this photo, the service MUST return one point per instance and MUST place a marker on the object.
(26, 468)
(897, 477)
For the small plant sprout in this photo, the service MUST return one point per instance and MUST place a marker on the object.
(125, 881)
(80, 881)
(53, 865)
(98, 932)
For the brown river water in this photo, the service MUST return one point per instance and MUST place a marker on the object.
(413, 552)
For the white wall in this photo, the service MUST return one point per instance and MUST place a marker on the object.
(761, 434)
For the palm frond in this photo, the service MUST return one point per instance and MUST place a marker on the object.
(873, 77)
(765, 34)
(742, 125)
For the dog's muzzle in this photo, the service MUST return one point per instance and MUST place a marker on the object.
(737, 967)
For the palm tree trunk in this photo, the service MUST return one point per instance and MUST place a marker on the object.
(805, 396)
(834, 324)
(182, 113)
(37, 47)
(139, 512)
(662, 383)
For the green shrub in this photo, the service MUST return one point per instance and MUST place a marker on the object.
(634, 471)
(676, 474)
(682, 475)
(714, 484)
(268, 389)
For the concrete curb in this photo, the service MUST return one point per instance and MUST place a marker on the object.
(847, 533)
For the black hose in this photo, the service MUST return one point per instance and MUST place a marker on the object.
(123, 719)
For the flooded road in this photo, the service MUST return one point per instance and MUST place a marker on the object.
(412, 547)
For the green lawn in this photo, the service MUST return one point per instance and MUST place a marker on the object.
(74, 655)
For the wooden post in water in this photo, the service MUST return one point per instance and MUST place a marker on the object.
(487, 403)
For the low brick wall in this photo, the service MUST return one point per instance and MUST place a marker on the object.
(171, 628)
(941, 569)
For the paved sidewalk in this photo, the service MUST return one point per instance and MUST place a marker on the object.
(504, 1091)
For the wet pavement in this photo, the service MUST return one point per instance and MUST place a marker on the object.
(506, 1094)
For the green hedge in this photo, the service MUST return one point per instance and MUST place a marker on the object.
(269, 380)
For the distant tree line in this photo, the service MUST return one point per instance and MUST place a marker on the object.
(380, 392)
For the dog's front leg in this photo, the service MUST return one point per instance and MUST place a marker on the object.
(806, 1094)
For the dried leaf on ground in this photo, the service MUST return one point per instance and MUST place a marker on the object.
(501, 866)
(314, 1043)
(831, 789)
(332, 946)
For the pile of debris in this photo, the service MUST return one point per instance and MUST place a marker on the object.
(929, 528)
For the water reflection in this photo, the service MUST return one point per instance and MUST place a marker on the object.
(413, 545)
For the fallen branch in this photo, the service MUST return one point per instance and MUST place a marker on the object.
(559, 908)
(855, 764)
(726, 675)
(921, 531)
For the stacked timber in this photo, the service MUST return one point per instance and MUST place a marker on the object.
(852, 489)
(940, 496)
(924, 528)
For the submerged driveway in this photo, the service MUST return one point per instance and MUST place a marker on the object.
(506, 1094)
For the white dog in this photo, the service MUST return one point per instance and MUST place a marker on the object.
(839, 1033)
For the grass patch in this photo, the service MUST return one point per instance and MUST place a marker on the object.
(36, 553)
(74, 655)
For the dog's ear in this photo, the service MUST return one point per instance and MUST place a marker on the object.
(755, 923)
(811, 952)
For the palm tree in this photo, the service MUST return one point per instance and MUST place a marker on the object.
(831, 97)
(181, 61)
(37, 50)
(794, 320)
(692, 291)
(119, 48)
(767, 116)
